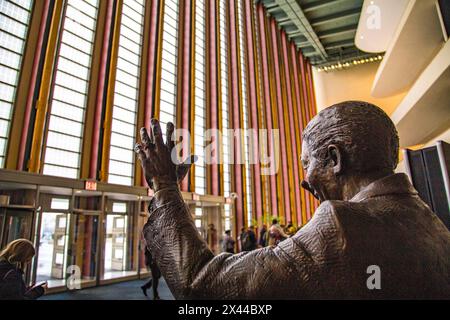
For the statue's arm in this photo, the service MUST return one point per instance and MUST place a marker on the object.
(189, 267)
(193, 272)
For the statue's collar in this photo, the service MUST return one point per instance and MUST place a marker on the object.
(398, 183)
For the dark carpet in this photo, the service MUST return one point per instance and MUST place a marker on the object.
(129, 290)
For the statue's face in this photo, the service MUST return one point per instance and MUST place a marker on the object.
(320, 176)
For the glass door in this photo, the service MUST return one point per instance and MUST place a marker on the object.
(119, 242)
(52, 252)
(199, 220)
(117, 245)
(52, 237)
(84, 239)
(84, 248)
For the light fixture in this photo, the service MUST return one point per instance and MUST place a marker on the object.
(346, 64)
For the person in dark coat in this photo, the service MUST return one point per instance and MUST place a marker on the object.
(263, 236)
(252, 241)
(13, 260)
(156, 274)
(228, 242)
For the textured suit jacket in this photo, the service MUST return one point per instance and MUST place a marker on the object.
(385, 225)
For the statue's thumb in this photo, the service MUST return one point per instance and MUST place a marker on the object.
(183, 169)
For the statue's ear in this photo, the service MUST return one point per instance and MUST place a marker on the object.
(335, 156)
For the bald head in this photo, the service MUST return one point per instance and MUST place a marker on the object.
(365, 134)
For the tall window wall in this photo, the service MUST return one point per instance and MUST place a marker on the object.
(244, 112)
(200, 96)
(68, 102)
(126, 91)
(169, 63)
(63, 132)
(14, 20)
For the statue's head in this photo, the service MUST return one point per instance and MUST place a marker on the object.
(349, 140)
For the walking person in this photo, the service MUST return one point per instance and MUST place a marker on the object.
(276, 233)
(252, 242)
(212, 238)
(155, 275)
(228, 242)
(242, 239)
(263, 236)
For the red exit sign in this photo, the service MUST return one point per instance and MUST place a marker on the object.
(91, 185)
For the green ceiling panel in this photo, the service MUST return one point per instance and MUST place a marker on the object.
(329, 36)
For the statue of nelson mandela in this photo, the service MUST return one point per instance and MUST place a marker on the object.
(369, 217)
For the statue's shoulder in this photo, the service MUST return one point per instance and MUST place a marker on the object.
(326, 216)
(337, 212)
(333, 207)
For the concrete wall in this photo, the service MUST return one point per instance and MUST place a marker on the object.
(354, 83)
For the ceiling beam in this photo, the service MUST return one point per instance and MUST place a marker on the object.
(336, 17)
(309, 50)
(340, 44)
(337, 31)
(320, 4)
(298, 18)
(303, 44)
(268, 3)
(283, 20)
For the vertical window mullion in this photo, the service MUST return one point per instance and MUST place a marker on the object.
(200, 96)
(245, 111)
(225, 108)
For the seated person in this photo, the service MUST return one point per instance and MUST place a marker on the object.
(369, 216)
(13, 260)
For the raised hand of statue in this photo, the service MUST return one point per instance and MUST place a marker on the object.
(156, 160)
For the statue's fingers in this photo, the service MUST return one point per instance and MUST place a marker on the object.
(182, 171)
(152, 154)
(169, 132)
(145, 138)
(183, 168)
(144, 157)
(157, 134)
(140, 151)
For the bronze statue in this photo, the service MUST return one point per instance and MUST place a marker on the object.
(372, 236)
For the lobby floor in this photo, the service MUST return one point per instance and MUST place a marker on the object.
(129, 290)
